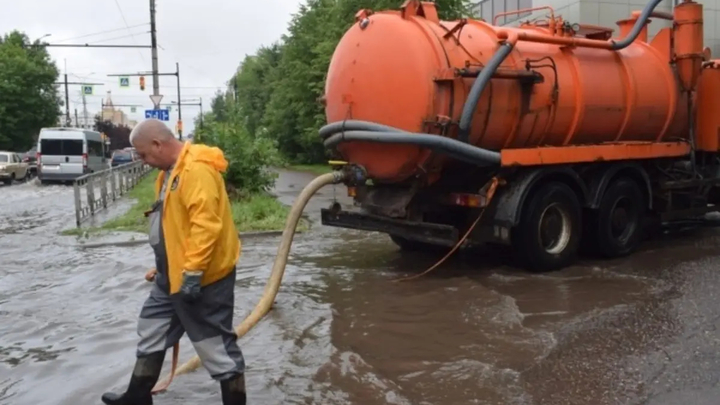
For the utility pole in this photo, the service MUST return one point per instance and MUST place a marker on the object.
(153, 44)
(77, 124)
(67, 103)
(185, 102)
(157, 97)
(67, 96)
(180, 129)
(201, 115)
(85, 111)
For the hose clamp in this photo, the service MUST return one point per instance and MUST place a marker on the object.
(353, 175)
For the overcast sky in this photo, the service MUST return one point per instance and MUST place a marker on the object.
(208, 38)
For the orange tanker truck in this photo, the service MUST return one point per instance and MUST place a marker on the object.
(551, 137)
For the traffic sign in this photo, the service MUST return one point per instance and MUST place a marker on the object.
(156, 100)
(87, 89)
(124, 81)
(162, 115)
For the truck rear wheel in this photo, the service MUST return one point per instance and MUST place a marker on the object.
(615, 229)
(549, 232)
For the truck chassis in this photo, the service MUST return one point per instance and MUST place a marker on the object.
(548, 214)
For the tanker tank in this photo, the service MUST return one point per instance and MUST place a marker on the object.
(560, 84)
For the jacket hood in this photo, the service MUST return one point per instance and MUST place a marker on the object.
(207, 154)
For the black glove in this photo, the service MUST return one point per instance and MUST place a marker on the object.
(190, 289)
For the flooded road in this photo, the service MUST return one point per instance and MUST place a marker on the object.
(640, 330)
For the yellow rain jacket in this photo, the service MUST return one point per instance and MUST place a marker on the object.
(197, 223)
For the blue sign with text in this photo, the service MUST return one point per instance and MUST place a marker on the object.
(162, 115)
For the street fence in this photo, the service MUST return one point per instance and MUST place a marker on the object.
(95, 191)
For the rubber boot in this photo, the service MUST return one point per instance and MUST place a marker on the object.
(143, 379)
(233, 391)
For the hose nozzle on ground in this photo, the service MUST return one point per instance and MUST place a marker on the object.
(278, 269)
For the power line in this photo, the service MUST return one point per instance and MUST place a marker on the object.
(162, 87)
(142, 98)
(185, 62)
(128, 27)
(113, 38)
(102, 32)
(94, 46)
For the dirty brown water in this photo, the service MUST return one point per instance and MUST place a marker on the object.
(639, 330)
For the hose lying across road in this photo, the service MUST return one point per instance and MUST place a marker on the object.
(278, 270)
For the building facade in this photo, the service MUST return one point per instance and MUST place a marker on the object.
(603, 13)
(81, 121)
(77, 120)
(115, 115)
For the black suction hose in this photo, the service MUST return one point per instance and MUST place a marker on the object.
(477, 88)
(642, 19)
(459, 150)
(354, 125)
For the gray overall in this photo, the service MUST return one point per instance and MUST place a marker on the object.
(164, 318)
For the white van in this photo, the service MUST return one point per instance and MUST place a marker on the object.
(64, 154)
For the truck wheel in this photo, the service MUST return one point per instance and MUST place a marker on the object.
(414, 246)
(615, 229)
(549, 232)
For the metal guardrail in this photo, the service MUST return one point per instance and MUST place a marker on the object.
(110, 184)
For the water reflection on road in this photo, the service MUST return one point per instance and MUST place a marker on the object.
(639, 330)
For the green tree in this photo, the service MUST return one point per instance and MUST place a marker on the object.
(219, 106)
(253, 83)
(29, 99)
(276, 92)
(119, 135)
(293, 114)
(249, 157)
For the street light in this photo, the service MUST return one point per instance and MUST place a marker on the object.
(44, 36)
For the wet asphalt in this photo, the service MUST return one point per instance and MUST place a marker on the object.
(637, 330)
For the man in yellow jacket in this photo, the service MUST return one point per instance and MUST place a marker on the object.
(196, 247)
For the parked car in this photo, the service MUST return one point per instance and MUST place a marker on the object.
(30, 157)
(65, 154)
(121, 157)
(12, 167)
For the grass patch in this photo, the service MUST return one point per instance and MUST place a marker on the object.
(261, 212)
(316, 169)
(258, 212)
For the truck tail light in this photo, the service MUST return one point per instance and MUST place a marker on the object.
(468, 200)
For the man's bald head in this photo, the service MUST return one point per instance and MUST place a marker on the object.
(151, 129)
(155, 143)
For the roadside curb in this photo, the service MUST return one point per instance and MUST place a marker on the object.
(142, 241)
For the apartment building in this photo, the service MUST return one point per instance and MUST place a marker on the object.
(603, 13)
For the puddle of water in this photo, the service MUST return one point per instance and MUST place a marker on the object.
(474, 331)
